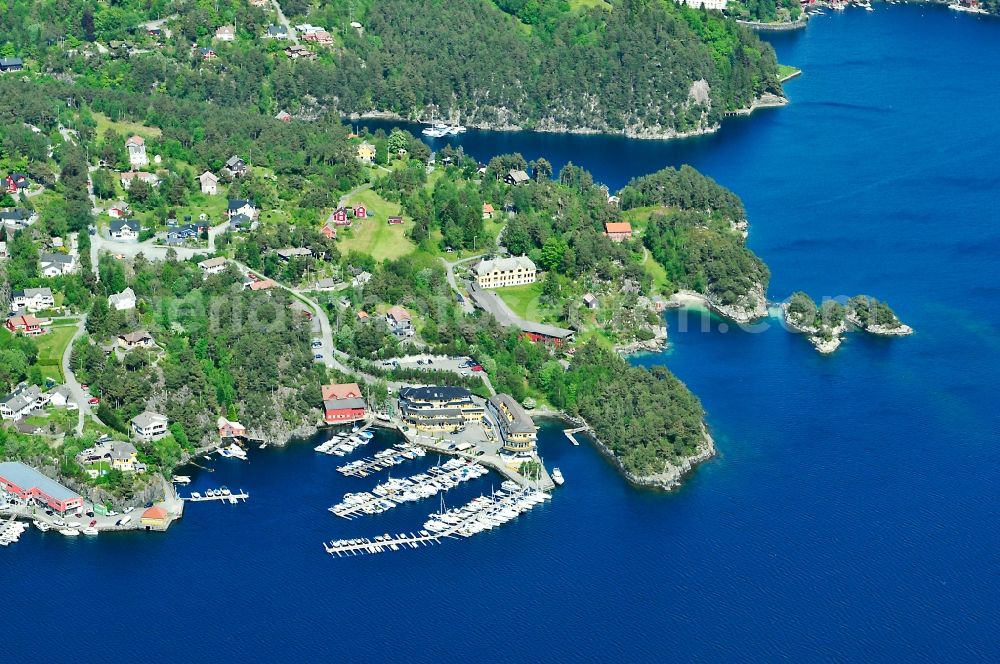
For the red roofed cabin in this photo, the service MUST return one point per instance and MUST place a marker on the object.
(25, 324)
(339, 217)
(229, 429)
(329, 232)
(342, 402)
(618, 231)
(360, 212)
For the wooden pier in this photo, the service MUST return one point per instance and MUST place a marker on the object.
(570, 433)
(232, 498)
(357, 547)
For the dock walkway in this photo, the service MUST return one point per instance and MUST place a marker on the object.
(232, 498)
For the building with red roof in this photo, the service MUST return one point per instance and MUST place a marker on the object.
(342, 402)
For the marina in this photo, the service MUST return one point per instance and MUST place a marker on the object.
(478, 515)
(343, 444)
(395, 492)
(11, 531)
(387, 458)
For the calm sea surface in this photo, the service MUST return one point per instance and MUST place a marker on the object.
(852, 514)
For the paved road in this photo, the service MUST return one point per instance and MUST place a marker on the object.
(450, 267)
(156, 252)
(79, 395)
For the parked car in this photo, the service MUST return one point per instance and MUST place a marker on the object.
(317, 344)
(93, 522)
(93, 401)
(477, 367)
(318, 356)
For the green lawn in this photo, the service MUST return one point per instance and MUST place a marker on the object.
(375, 236)
(524, 300)
(50, 350)
(786, 72)
(124, 127)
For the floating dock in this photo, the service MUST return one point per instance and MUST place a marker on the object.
(232, 498)
(571, 434)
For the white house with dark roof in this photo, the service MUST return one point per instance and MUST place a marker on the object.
(54, 265)
(126, 230)
(32, 299)
(239, 206)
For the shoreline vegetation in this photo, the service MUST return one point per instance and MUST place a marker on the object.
(825, 325)
(765, 100)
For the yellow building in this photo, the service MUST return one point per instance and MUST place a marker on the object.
(517, 430)
(501, 272)
(438, 408)
(366, 152)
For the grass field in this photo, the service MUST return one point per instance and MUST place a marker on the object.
(124, 127)
(50, 350)
(375, 236)
(786, 72)
(524, 301)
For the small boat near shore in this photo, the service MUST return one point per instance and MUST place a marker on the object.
(557, 477)
(182, 479)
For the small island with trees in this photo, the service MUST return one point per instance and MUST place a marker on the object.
(826, 324)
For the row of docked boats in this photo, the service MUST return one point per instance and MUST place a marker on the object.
(10, 532)
(343, 443)
(395, 492)
(234, 451)
(486, 512)
(213, 493)
(387, 458)
(68, 530)
(440, 129)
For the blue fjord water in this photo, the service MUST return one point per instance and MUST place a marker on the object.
(851, 514)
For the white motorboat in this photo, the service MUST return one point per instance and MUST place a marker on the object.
(89, 531)
(69, 532)
(42, 525)
(182, 479)
(557, 477)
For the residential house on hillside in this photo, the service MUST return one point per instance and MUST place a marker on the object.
(206, 53)
(17, 182)
(61, 396)
(137, 339)
(288, 253)
(240, 206)
(226, 33)
(209, 183)
(618, 231)
(54, 265)
(11, 64)
(119, 455)
(501, 272)
(127, 177)
(20, 402)
(297, 51)
(516, 177)
(213, 265)
(124, 229)
(328, 231)
(283, 116)
(119, 210)
(235, 167)
(590, 301)
(339, 217)
(31, 299)
(149, 425)
(276, 32)
(122, 301)
(488, 211)
(400, 322)
(136, 146)
(360, 211)
(361, 279)
(3, 250)
(25, 324)
(242, 223)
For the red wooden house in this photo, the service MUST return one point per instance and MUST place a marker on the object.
(342, 402)
(360, 212)
(339, 217)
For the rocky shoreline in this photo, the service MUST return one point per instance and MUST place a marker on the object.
(823, 344)
(901, 330)
(755, 309)
(548, 126)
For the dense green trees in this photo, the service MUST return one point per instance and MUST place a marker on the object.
(648, 418)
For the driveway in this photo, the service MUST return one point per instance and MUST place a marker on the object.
(79, 395)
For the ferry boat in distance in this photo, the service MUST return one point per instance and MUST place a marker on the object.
(557, 477)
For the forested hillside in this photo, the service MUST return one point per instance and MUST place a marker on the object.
(643, 67)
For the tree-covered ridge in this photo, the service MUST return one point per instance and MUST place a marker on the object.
(824, 321)
(632, 68)
(698, 235)
(648, 418)
(765, 11)
(867, 312)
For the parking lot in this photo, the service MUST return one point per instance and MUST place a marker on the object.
(455, 364)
